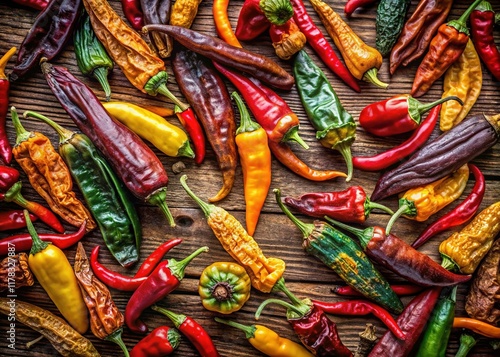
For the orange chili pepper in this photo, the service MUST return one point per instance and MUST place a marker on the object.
(477, 326)
(255, 158)
(222, 24)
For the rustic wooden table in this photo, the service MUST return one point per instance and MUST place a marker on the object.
(277, 236)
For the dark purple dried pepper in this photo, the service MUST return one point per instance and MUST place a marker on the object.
(158, 12)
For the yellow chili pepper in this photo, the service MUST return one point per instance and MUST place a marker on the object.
(362, 60)
(264, 272)
(464, 250)
(463, 79)
(183, 12)
(255, 158)
(166, 137)
(55, 274)
(269, 342)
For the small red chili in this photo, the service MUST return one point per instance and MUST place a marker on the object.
(155, 257)
(13, 219)
(251, 21)
(353, 5)
(133, 12)
(8, 177)
(5, 148)
(193, 128)
(34, 4)
(400, 290)
(460, 214)
(160, 342)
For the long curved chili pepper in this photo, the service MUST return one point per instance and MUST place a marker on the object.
(14, 219)
(353, 5)
(320, 44)
(460, 214)
(23, 242)
(194, 332)
(155, 257)
(361, 308)
(188, 120)
(34, 4)
(387, 158)
(222, 24)
(5, 148)
(477, 326)
(400, 290)
(133, 12)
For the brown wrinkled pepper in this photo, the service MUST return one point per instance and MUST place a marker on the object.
(483, 301)
(464, 250)
(17, 265)
(106, 320)
(48, 174)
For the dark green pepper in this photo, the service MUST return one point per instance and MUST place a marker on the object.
(437, 332)
(106, 198)
(91, 57)
(389, 23)
(335, 127)
(339, 252)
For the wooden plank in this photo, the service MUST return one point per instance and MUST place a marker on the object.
(277, 236)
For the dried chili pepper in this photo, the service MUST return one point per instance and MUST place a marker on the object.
(13, 219)
(442, 156)
(397, 115)
(466, 343)
(353, 5)
(150, 263)
(361, 308)
(396, 255)
(35, 4)
(321, 46)
(482, 22)
(158, 12)
(350, 205)
(162, 281)
(194, 332)
(48, 174)
(418, 32)
(464, 250)
(257, 65)
(184, 12)
(344, 256)
(399, 289)
(65, 340)
(389, 23)
(5, 148)
(210, 100)
(269, 342)
(335, 127)
(251, 21)
(222, 23)
(421, 202)
(160, 342)
(106, 321)
(49, 33)
(133, 12)
(477, 326)
(460, 214)
(264, 272)
(412, 322)
(444, 49)
(394, 155)
(133, 161)
(362, 60)
(367, 340)
(15, 272)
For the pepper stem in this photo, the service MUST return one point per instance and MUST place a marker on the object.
(186, 150)
(370, 76)
(305, 228)
(158, 84)
(369, 206)
(293, 135)
(3, 61)
(30, 344)
(116, 337)
(247, 125)
(364, 235)
(64, 134)
(465, 16)
(345, 150)
(417, 108)
(277, 12)
(38, 245)
(448, 263)
(177, 319)
(21, 133)
(466, 343)
(298, 310)
(404, 208)
(101, 74)
(280, 286)
(207, 208)
(177, 268)
(248, 330)
(158, 199)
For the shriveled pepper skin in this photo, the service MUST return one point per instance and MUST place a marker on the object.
(389, 22)
(158, 12)
(183, 12)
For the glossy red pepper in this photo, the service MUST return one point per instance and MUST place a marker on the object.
(387, 158)
(162, 281)
(8, 177)
(160, 342)
(361, 308)
(400, 290)
(5, 148)
(13, 219)
(353, 5)
(193, 331)
(460, 214)
(155, 257)
(23, 242)
(251, 21)
(396, 115)
(34, 4)
(133, 12)
(194, 130)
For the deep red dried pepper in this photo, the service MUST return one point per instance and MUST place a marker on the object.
(482, 22)
(387, 158)
(194, 130)
(320, 44)
(361, 308)
(133, 12)
(353, 5)
(160, 342)
(163, 280)
(460, 214)
(14, 219)
(35, 4)
(400, 290)
(23, 242)
(193, 331)
(251, 21)
(155, 257)
(5, 148)
(8, 177)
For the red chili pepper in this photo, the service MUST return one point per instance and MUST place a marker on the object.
(251, 21)
(396, 115)
(162, 281)
(400, 290)
(320, 44)
(482, 23)
(155, 257)
(193, 331)
(412, 322)
(160, 342)
(5, 148)
(13, 219)
(34, 4)
(361, 308)
(387, 158)
(8, 177)
(353, 5)
(194, 130)
(460, 214)
(23, 242)
(133, 12)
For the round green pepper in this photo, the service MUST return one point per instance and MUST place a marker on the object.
(224, 287)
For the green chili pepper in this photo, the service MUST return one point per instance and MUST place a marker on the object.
(106, 198)
(335, 127)
(466, 344)
(344, 256)
(437, 332)
(91, 57)
(389, 23)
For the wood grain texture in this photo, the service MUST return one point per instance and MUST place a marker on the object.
(277, 236)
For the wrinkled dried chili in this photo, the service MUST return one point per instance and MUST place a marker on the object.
(158, 12)
(15, 272)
